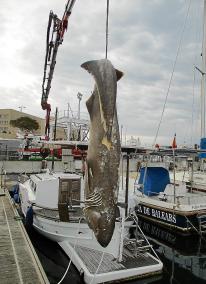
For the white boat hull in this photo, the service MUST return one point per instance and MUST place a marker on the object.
(122, 259)
(76, 233)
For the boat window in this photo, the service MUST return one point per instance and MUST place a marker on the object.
(69, 191)
(69, 195)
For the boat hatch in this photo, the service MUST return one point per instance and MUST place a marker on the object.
(69, 195)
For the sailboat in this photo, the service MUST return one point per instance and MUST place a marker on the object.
(173, 203)
(169, 204)
(196, 178)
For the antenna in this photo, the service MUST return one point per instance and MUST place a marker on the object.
(21, 108)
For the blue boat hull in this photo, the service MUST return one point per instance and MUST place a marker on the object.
(187, 222)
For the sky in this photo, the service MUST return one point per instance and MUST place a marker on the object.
(144, 36)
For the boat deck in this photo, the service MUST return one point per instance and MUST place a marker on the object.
(182, 197)
(101, 267)
(92, 258)
(187, 198)
(18, 260)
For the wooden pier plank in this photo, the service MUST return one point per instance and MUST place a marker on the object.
(18, 261)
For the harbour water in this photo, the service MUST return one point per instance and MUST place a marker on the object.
(53, 259)
(184, 258)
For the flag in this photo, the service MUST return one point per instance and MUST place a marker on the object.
(174, 144)
(157, 146)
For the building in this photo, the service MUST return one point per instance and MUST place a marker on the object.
(8, 131)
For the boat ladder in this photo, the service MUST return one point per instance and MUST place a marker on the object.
(202, 222)
(137, 242)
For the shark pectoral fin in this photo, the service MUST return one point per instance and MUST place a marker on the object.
(119, 74)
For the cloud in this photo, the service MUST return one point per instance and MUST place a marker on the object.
(143, 42)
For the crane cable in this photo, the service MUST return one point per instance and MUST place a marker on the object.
(173, 70)
(107, 28)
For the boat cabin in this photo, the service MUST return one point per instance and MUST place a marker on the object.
(60, 192)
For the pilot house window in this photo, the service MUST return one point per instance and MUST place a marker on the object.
(69, 195)
(69, 191)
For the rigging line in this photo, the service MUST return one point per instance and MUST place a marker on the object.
(196, 29)
(107, 28)
(173, 70)
(193, 101)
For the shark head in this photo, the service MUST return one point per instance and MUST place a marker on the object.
(102, 225)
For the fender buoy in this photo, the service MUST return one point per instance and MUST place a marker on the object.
(29, 217)
(14, 193)
(44, 152)
(16, 198)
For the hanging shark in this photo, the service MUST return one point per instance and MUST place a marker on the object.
(103, 156)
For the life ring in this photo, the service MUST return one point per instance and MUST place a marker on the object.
(44, 152)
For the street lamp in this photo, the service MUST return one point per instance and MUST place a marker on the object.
(79, 96)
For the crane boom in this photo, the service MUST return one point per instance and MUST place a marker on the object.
(53, 39)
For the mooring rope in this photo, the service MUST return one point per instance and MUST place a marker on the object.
(100, 263)
(65, 273)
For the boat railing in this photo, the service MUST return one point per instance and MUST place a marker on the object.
(181, 199)
(153, 193)
(137, 242)
(9, 155)
(193, 200)
(197, 183)
(187, 199)
(74, 212)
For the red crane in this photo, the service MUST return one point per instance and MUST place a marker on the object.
(55, 34)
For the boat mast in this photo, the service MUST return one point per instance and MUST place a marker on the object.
(203, 74)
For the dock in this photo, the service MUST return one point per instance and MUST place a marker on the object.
(19, 262)
(101, 267)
